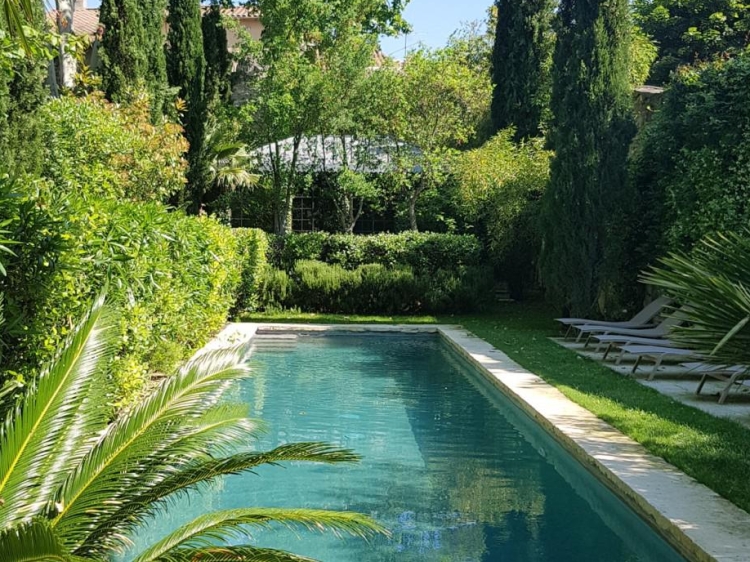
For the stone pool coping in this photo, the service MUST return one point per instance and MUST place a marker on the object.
(698, 522)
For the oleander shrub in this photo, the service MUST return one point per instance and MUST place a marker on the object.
(107, 150)
(315, 286)
(424, 251)
(171, 277)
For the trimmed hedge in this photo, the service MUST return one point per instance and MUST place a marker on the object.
(171, 279)
(252, 245)
(314, 286)
(423, 251)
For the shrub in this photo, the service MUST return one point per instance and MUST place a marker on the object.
(314, 286)
(714, 279)
(252, 245)
(107, 150)
(501, 186)
(423, 251)
(171, 277)
(689, 168)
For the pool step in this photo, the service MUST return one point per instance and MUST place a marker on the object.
(274, 343)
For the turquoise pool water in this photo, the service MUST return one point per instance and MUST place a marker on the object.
(451, 467)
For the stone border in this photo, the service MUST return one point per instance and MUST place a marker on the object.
(698, 522)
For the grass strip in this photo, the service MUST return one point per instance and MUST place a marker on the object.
(714, 451)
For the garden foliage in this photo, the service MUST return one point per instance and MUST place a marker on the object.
(252, 245)
(689, 31)
(100, 149)
(522, 63)
(96, 219)
(691, 165)
(172, 278)
(373, 288)
(500, 190)
(591, 132)
(427, 252)
(384, 273)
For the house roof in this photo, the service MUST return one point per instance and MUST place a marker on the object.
(86, 21)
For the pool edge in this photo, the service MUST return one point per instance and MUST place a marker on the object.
(698, 522)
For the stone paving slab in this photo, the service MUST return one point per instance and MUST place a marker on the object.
(702, 525)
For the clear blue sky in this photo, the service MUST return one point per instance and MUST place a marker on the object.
(433, 21)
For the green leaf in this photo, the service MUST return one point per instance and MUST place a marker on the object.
(43, 438)
(32, 542)
(205, 530)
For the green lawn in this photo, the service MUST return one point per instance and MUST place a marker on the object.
(714, 451)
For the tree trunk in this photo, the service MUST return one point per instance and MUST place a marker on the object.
(52, 79)
(413, 213)
(65, 12)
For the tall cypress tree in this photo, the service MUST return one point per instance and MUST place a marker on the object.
(591, 131)
(23, 90)
(186, 67)
(521, 61)
(123, 58)
(153, 47)
(216, 52)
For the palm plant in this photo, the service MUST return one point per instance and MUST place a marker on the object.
(15, 15)
(714, 281)
(229, 162)
(73, 487)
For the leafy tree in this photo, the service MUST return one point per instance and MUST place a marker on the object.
(311, 51)
(75, 486)
(186, 68)
(591, 131)
(688, 31)
(522, 60)
(473, 42)
(352, 191)
(218, 59)
(123, 59)
(438, 104)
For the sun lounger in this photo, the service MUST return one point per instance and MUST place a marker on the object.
(660, 331)
(725, 373)
(613, 341)
(657, 353)
(643, 319)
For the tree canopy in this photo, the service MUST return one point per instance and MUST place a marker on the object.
(688, 31)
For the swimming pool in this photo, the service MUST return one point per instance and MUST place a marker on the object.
(450, 466)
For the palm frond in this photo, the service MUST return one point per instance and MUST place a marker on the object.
(714, 281)
(148, 439)
(43, 438)
(32, 542)
(16, 14)
(138, 508)
(206, 530)
(233, 554)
